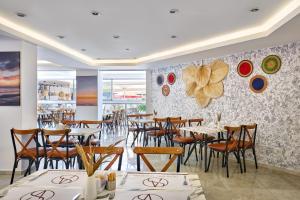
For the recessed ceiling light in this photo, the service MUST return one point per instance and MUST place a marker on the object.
(95, 13)
(20, 14)
(173, 11)
(127, 49)
(83, 49)
(254, 10)
(60, 36)
(173, 36)
(116, 36)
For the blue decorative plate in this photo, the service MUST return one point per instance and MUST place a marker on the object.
(258, 83)
(160, 80)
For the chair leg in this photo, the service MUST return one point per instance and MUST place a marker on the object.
(239, 161)
(244, 160)
(227, 171)
(209, 159)
(13, 172)
(196, 153)
(254, 154)
(178, 163)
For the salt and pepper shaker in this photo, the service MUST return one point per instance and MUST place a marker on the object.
(111, 181)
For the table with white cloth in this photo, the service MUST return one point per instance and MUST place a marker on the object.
(209, 130)
(70, 184)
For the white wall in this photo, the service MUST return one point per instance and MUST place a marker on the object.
(23, 116)
(87, 112)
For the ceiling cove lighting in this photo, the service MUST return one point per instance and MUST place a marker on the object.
(46, 62)
(286, 13)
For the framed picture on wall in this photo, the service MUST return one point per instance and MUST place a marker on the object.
(86, 90)
(9, 78)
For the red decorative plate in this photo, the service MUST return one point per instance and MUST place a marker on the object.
(165, 90)
(171, 78)
(245, 68)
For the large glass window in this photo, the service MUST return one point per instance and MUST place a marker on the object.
(124, 90)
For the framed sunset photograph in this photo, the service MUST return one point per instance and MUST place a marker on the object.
(86, 90)
(9, 78)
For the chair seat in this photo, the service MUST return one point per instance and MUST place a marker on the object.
(188, 140)
(62, 152)
(108, 121)
(157, 133)
(247, 145)
(31, 152)
(221, 147)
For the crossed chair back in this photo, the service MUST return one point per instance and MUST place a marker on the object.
(116, 152)
(233, 138)
(93, 139)
(175, 152)
(26, 146)
(175, 125)
(58, 145)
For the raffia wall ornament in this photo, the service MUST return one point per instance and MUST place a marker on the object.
(205, 82)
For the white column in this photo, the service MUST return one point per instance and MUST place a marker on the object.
(149, 91)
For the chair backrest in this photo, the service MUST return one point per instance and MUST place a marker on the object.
(175, 125)
(170, 119)
(176, 152)
(161, 123)
(146, 115)
(117, 152)
(24, 139)
(195, 121)
(54, 144)
(234, 136)
(249, 134)
(72, 123)
(90, 123)
(68, 115)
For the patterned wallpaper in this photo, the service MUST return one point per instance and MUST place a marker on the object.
(276, 110)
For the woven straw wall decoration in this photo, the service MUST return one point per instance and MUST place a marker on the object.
(205, 82)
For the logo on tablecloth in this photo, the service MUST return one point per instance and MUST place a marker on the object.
(38, 195)
(65, 179)
(155, 182)
(147, 197)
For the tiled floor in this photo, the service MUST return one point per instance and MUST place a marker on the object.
(263, 183)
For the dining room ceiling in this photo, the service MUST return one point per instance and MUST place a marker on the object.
(137, 31)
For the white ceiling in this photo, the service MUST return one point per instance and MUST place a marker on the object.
(144, 26)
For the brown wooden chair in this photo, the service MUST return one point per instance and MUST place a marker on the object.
(160, 130)
(176, 152)
(94, 140)
(117, 152)
(195, 122)
(231, 145)
(72, 123)
(60, 149)
(248, 142)
(26, 147)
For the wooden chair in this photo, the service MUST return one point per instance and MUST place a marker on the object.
(231, 145)
(72, 123)
(160, 130)
(195, 122)
(132, 127)
(93, 139)
(116, 151)
(248, 142)
(176, 152)
(58, 149)
(26, 147)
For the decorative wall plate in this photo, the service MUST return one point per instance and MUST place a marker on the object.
(271, 64)
(165, 90)
(258, 83)
(245, 68)
(171, 78)
(160, 79)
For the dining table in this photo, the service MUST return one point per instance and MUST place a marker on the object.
(70, 185)
(206, 130)
(141, 124)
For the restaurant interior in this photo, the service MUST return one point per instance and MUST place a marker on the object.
(150, 100)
